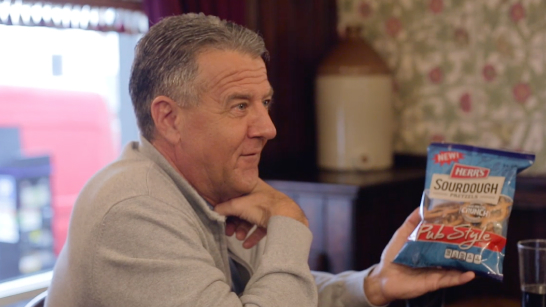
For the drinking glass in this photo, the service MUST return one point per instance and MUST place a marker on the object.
(532, 272)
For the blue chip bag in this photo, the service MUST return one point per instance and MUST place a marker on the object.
(466, 203)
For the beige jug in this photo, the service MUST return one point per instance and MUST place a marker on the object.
(354, 107)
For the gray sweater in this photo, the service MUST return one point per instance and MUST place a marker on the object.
(140, 235)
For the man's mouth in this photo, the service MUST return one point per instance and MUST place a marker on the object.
(251, 157)
(253, 153)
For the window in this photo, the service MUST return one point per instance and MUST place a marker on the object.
(64, 114)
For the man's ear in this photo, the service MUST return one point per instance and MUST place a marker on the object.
(165, 114)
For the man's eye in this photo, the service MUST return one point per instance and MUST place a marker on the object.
(241, 106)
(267, 103)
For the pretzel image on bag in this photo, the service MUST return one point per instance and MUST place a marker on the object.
(465, 207)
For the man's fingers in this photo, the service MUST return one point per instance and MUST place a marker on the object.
(242, 230)
(242, 207)
(466, 277)
(231, 225)
(455, 278)
(228, 208)
(447, 278)
(230, 229)
(401, 236)
(412, 221)
(255, 237)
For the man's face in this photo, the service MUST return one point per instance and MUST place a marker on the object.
(222, 138)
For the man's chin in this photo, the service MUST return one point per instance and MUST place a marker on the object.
(248, 186)
(245, 185)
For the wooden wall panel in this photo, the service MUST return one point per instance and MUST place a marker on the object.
(298, 34)
(339, 230)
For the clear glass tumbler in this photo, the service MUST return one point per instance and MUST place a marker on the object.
(532, 272)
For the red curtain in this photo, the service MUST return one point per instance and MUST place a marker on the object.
(157, 9)
(233, 10)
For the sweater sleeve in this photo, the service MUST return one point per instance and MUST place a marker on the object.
(344, 289)
(283, 277)
(153, 255)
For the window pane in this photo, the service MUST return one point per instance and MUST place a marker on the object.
(60, 104)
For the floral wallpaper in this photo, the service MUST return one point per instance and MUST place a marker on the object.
(464, 71)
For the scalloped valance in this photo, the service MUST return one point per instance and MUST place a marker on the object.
(99, 15)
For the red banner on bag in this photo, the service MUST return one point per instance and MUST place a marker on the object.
(462, 235)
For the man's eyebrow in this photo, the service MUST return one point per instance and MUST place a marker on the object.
(270, 94)
(245, 96)
(239, 96)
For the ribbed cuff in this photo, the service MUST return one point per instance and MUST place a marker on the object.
(288, 239)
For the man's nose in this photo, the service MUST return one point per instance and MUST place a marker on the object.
(261, 124)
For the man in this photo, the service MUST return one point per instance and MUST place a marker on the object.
(150, 229)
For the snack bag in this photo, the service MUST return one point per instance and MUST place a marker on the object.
(465, 207)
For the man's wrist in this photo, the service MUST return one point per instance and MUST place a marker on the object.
(294, 212)
(373, 290)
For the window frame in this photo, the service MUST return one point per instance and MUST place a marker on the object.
(24, 288)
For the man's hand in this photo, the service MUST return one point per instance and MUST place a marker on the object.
(241, 228)
(390, 281)
(255, 209)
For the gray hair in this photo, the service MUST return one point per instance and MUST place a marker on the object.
(165, 60)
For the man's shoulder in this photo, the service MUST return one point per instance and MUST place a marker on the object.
(123, 178)
(133, 177)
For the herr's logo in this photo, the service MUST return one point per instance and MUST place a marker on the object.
(468, 172)
(446, 157)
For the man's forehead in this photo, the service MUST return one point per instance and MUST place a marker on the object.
(217, 59)
(223, 69)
